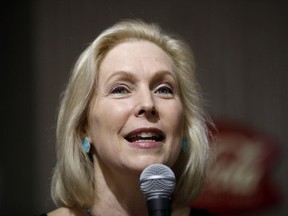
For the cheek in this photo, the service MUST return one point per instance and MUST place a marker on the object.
(107, 117)
(175, 118)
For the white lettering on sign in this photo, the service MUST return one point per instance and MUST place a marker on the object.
(238, 168)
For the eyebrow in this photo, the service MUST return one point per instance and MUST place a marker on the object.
(125, 75)
(130, 77)
(160, 74)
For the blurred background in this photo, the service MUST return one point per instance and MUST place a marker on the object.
(241, 50)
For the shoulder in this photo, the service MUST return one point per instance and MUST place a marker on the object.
(60, 212)
(63, 211)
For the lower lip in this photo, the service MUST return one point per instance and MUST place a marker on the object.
(146, 145)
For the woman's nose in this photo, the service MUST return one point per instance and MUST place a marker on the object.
(146, 105)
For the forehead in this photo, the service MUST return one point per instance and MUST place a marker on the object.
(139, 48)
(136, 54)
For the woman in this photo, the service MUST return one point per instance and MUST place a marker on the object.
(132, 101)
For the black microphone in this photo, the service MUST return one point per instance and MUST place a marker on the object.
(157, 182)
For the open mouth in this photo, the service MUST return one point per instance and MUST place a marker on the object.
(145, 137)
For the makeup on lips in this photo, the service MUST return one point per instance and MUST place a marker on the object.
(145, 138)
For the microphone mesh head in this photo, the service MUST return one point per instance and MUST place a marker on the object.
(157, 178)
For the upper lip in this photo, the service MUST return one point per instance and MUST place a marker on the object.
(157, 132)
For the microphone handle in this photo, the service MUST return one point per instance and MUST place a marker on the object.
(159, 206)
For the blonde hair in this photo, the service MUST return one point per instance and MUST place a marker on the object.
(73, 179)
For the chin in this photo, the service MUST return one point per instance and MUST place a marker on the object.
(144, 161)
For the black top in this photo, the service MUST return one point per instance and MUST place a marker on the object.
(200, 212)
(193, 212)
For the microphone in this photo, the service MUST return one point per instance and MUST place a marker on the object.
(157, 182)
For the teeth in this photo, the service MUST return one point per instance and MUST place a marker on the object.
(145, 135)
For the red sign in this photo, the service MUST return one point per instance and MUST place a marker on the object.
(239, 179)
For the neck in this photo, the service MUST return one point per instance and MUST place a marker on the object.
(117, 192)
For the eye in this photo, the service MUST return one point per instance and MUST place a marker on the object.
(121, 89)
(165, 90)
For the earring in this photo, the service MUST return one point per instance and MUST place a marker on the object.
(86, 145)
(184, 145)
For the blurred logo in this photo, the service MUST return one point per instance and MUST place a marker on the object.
(240, 177)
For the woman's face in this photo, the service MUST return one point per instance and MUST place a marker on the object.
(136, 117)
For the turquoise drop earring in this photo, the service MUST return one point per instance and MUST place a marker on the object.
(184, 145)
(86, 145)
